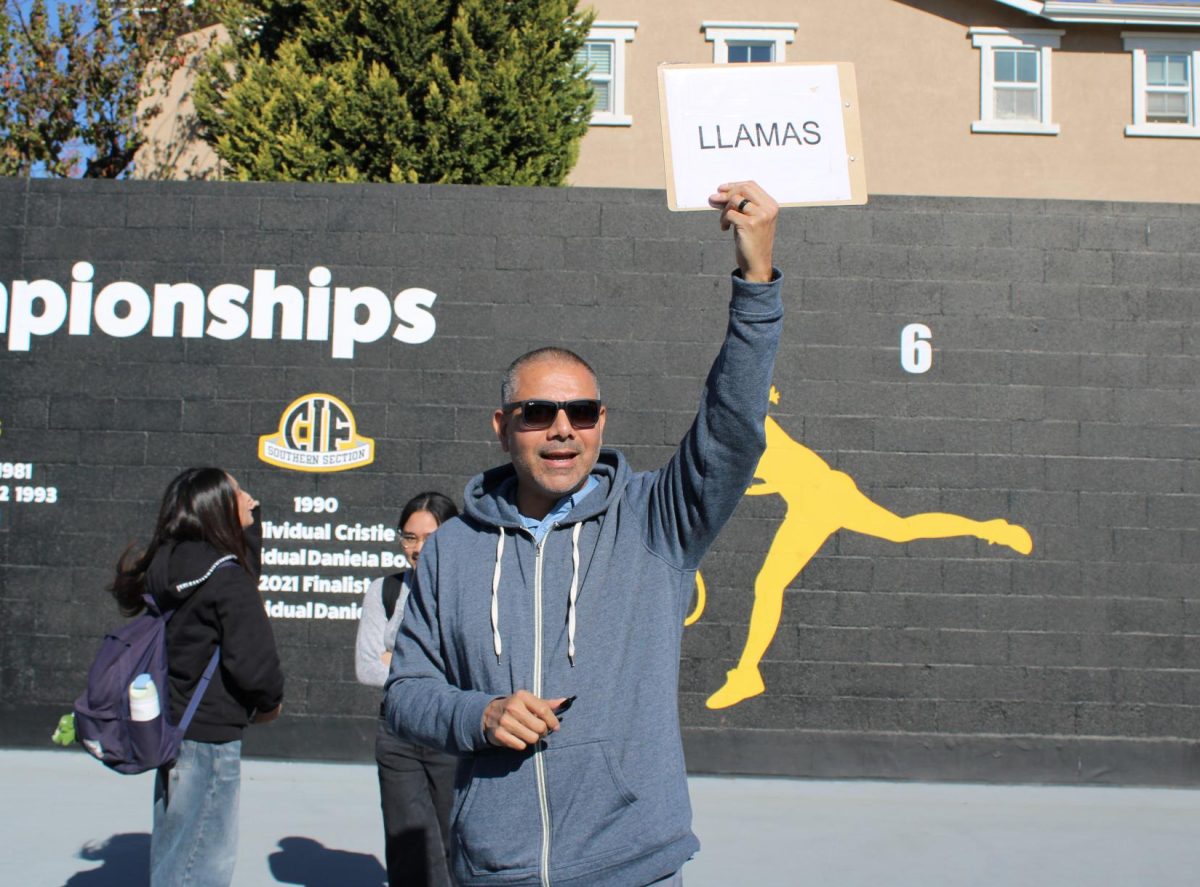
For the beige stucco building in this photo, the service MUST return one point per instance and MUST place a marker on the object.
(1076, 99)
(173, 147)
(994, 98)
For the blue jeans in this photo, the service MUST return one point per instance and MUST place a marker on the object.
(194, 842)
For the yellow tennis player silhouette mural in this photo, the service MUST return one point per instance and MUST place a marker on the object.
(821, 501)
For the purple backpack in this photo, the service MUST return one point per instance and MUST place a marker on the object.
(103, 722)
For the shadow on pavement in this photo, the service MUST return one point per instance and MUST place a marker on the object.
(125, 858)
(312, 864)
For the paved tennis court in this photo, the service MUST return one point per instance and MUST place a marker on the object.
(68, 821)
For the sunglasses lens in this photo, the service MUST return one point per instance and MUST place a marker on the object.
(539, 413)
(583, 413)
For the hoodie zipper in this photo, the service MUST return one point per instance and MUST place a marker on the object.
(539, 764)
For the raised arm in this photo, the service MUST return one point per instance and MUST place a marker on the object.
(697, 490)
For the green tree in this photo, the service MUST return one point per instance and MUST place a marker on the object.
(457, 91)
(78, 85)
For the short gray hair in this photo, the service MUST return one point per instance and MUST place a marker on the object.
(508, 384)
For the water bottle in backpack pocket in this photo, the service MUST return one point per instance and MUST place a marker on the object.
(143, 699)
(145, 716)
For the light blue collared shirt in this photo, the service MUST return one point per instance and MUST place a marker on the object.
(561, 509)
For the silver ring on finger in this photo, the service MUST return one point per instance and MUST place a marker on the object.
(742, 206)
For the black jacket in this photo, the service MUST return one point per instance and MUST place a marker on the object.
(224, 609)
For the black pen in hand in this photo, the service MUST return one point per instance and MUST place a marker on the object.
(564, 705)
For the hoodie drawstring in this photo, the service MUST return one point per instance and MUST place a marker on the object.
(218, 563)
(497, 645)
(574, 592)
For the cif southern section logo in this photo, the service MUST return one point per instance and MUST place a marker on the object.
(316, 433)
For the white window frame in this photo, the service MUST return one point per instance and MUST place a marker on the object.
(721, 34)
(618, 34)
(987, 40)
(1138, 43)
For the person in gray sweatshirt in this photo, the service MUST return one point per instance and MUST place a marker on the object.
(564, 585)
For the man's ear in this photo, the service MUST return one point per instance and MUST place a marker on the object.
(500, 426)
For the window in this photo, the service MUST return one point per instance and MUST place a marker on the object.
(1014, 80)
(749, 41)
(603, 55)
(1165, 99)
(1168, 88)
(1016, 84)
(597, 57)
(738, 51)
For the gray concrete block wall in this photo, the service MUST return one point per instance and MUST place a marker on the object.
(1061, 397)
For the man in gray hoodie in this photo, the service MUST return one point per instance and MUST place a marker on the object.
(565, 584)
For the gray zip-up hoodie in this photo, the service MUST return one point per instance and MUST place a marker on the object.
(595, 611)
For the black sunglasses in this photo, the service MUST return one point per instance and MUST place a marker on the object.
(539, 414)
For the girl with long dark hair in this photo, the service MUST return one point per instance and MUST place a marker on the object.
(203, 564)
(416, 784)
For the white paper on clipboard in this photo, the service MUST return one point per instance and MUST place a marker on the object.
(793, 128)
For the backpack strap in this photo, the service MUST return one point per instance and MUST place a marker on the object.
(392, 586)
(198, 693)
